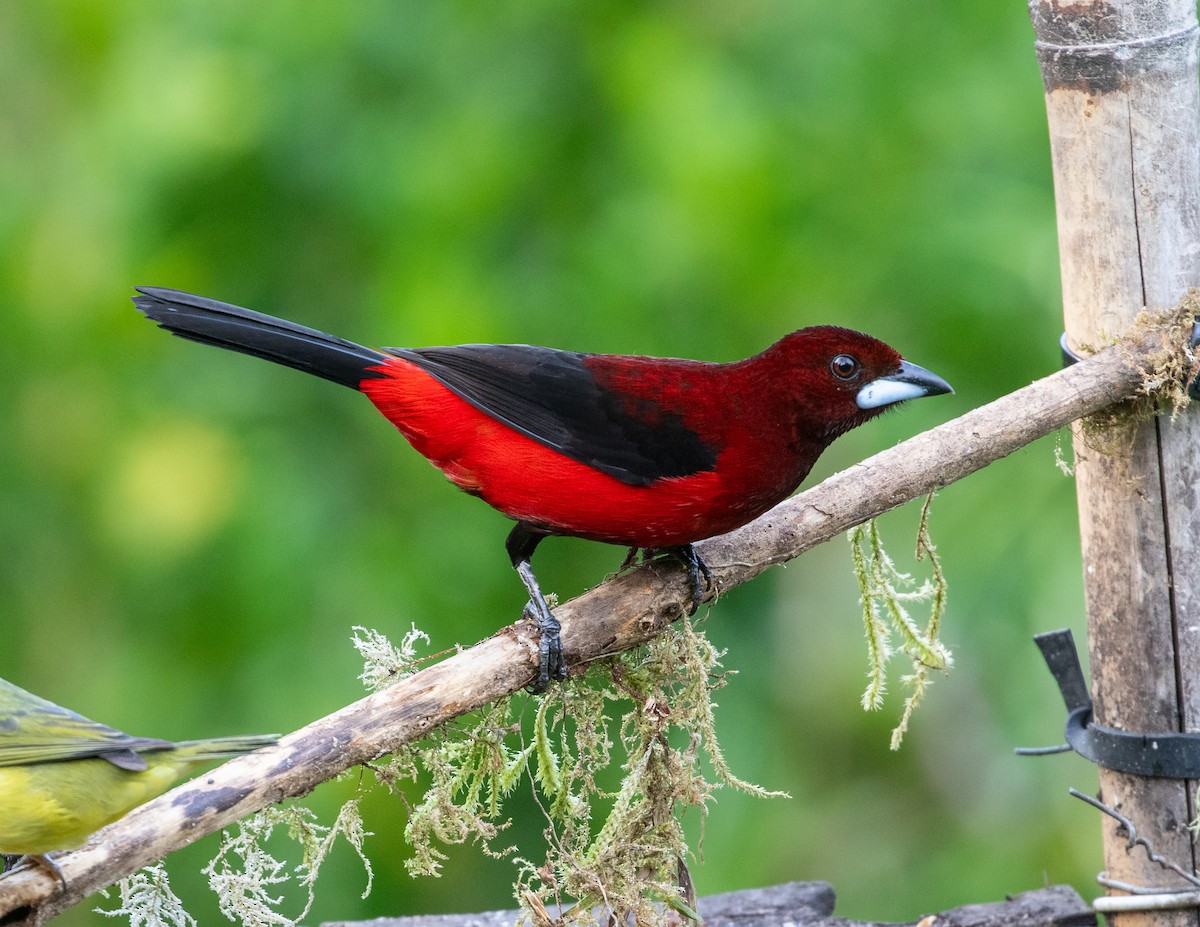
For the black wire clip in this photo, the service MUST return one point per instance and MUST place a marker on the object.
(1169, 755)
(1069, 357)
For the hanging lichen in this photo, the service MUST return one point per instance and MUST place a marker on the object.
(886, 594)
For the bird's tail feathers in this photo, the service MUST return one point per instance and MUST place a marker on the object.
(198, 318)
(222, 748)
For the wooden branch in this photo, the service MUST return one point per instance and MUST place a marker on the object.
(810, 904)
(618, 614)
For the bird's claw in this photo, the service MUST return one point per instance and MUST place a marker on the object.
(551, 663)
(696, 568)
(46, 864)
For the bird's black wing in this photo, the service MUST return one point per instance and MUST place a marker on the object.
(553, 397)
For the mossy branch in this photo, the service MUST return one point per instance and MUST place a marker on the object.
(621, 613)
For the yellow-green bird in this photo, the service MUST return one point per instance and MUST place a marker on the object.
(63, 777)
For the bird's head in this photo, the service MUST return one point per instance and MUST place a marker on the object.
(842, 378)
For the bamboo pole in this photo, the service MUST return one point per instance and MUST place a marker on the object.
(1121, 98)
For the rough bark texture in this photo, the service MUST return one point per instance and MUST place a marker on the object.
(810, 904)
(618, 614)
(1121, 96)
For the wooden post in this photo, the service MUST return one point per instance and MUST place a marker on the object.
(1121, 96)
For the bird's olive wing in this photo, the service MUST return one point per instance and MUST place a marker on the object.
(42, 732)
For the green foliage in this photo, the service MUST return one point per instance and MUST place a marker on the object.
(885, 592)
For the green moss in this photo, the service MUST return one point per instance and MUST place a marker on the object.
(633, 860)
(885, 595)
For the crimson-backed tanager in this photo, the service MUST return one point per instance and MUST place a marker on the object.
(644, 452)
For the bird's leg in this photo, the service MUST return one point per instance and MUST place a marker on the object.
(696, 568)
(521, 543)
(550, 664)
(44, 862)
(629, 561)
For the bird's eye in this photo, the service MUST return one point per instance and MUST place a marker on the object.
(844, 367)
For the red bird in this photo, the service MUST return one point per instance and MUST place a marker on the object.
(638, 451)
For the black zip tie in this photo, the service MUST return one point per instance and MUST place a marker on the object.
(1069, 357)
(1167, 755)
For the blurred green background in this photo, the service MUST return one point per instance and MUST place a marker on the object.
(188, 536)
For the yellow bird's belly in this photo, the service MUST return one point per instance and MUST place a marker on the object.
(55, 806)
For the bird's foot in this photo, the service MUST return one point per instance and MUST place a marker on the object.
(696, 568)
(45, 863)
(551, 662)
